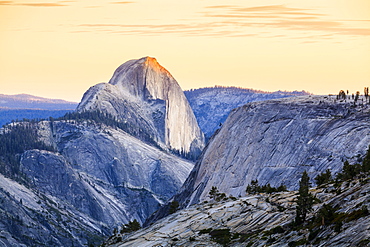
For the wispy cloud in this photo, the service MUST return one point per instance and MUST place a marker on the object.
(283, 17)
(6, 2)
(124, 2)
(43, 4)
(236, 21)
(12, 3)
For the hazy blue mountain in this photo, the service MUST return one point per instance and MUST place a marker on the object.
(26, 101)
(7, 115)
(20, 106)
(212, 105)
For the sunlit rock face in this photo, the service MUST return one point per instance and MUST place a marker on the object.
(275, 141)
(145, 95)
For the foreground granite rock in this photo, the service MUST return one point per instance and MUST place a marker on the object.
(259, 220)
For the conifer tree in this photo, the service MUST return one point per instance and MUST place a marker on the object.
(174, 206)
(366, 162)
(304, 199)
(323, 178)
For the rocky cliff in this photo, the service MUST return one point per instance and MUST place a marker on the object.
(275, 141)
(145, 95)
(212, 105)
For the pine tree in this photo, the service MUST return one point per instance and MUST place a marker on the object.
(174, 206)
(366, 162)
(304, 199)
(130, 227)
(323, 178)
(216, 195)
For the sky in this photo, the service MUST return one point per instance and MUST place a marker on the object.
(58, 49)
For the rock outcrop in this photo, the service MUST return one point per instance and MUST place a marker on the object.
(144, 95)
(261, 220)
(275, 141)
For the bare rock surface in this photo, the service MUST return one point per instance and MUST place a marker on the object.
(257, 220)
(275, 141)
(97, 178)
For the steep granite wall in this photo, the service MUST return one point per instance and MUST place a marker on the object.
(275, 141)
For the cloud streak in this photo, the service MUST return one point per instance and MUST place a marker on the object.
(283, 17)
(237, 21)
(11, 3)
(124, 2)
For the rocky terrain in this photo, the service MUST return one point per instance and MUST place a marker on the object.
(144, 94)
(70, 181)
(98, 177)
(262, 220)
(212, 105)
(275, 141)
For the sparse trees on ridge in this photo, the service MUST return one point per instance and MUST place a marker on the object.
(254, 188)
(341, 95)
(130, 227)
(323, 178)
(216, 195)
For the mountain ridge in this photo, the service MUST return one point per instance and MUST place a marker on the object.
(212, 105)
(28, 101)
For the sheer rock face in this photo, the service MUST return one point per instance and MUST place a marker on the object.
(145, 95)
(275, 141)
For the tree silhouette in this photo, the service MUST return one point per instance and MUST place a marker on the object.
(304, 200)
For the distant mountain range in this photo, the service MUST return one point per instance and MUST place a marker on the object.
(212, 105)
(25, 106)
(26, 101)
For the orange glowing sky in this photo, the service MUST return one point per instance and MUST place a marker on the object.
(58, 49)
